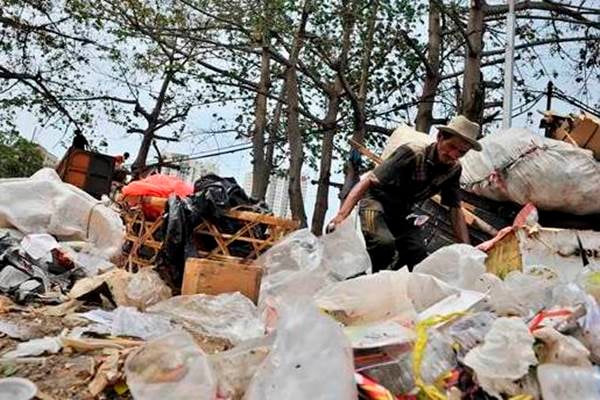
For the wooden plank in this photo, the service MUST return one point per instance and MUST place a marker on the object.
(217, 277)
(264, 219)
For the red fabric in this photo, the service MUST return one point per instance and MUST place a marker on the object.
(157, 186)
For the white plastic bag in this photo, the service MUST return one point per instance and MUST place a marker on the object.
(458, 265)
(560, 382)
(170, 368)
(344, 251)
(519, 166)
(505, 355)
(369, 298)
(311, 359)
(230, 315)
(45, 204)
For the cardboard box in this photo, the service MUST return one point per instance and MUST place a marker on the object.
(544, 247)
(583, 131)
(216, 277)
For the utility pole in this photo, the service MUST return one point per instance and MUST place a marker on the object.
(509, 66)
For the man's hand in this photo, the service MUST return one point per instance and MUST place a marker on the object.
(459, 225)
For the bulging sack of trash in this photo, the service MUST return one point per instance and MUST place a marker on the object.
(311, 358)
(559, 382)
(231, 316)
(458, 265)
(344, 251)
(505, 355)
(61, 210)
(172, 367)
(519, 166)
(146, 288)
(369, 298)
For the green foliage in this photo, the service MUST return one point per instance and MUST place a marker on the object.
(18, 156)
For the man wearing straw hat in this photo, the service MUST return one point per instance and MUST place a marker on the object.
(410, 175)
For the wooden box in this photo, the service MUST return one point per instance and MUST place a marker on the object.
(215, 277)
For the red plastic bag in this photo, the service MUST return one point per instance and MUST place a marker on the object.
(157, 186)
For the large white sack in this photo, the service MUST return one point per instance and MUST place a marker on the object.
(517, 165)
(45, 204)
(405, 134)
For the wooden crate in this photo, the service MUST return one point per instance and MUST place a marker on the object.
(216, 277)
(249, 225)
(582, 131)
(142, 245)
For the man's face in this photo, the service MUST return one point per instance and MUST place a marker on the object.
(451, 149)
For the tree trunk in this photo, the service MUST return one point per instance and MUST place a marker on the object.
(322, 200)
(294, 133)
(432, 75)
(351, 168)
(336, 89)
(152, 118)
(472, 96)
(260, 170)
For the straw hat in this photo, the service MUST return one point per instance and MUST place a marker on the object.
(460, 126)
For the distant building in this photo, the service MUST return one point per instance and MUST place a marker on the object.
(189, 170)
(277, 196)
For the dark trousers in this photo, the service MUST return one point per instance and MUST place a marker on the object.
(391, 244)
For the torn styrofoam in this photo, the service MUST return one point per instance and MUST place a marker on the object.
(505, 355)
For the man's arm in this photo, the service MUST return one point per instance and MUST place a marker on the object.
(353, 197)
(459, 225)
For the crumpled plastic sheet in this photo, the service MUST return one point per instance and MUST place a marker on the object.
(518, 294)
(61, 210)
(369, 298)
(35, 347)
(171, 367)
(560, 382)
(236, 367)
(458, 265)
(311, 359)
(561, 349)
(146, 288)
(230, 315)
(127, 321)
(344, 251)
(426, 290)
(39, 246)
(505, 355)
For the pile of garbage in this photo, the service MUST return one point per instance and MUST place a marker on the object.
(323, 327)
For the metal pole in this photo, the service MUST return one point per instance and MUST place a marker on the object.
(549, 95)
(509, 66)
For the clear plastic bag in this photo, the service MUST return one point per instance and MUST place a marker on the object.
(469, 331)
(170, 368)
(311, 359)
(344, 251)
(369, 298)
(146, 288)
(458, 265)
(231, 315)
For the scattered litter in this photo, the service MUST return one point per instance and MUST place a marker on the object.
(16, 331)
(127, 321)
(35, 347)
(145, 289)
